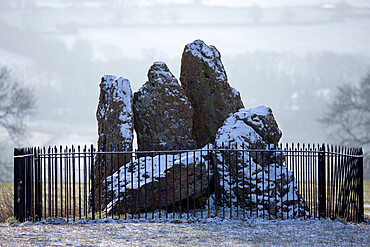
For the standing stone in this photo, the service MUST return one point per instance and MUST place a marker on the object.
(204, 80)
(115, 127)
(120, 116)
(103, 106)
(163, 113)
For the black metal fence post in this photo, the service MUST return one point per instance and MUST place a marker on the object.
(37, 186)
(322, 182)
(361, 186)
(17, 199)
(31, 201)
(92, 175)
(22, 184)
(22, 187)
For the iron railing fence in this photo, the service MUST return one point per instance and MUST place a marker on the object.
(285, 182)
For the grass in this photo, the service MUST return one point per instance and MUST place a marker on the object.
(65, 200)
(305, 190)
(6, 201)
(367, 199)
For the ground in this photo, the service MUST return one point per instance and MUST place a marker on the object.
(210, 232)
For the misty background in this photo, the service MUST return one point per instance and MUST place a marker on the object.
(289, 55)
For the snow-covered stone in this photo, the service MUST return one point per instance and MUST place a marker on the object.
(120, 116)
(257, 124)
(256, 181)
(163, 180)
(115, 125)
(268, 191)
(204, 80)
(163, 113)
(254, 128)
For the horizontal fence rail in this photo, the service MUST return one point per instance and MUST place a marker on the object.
(292, 181)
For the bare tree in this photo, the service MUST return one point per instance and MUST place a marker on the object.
(17, 102)
(347, 117)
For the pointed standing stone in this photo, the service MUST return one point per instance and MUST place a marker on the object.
(163, 114)
(204, 80)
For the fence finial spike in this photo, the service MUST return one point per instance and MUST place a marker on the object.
(323, 147)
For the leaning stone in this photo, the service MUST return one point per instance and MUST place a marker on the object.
(161, 182)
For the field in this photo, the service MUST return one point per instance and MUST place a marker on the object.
(6, 201)
(367, 199)
(68, 195)
(366, 195)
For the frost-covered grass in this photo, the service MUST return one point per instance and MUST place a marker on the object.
(209, 232)
(206, 232)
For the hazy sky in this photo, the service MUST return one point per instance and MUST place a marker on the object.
(262, 3)
(62, 50)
